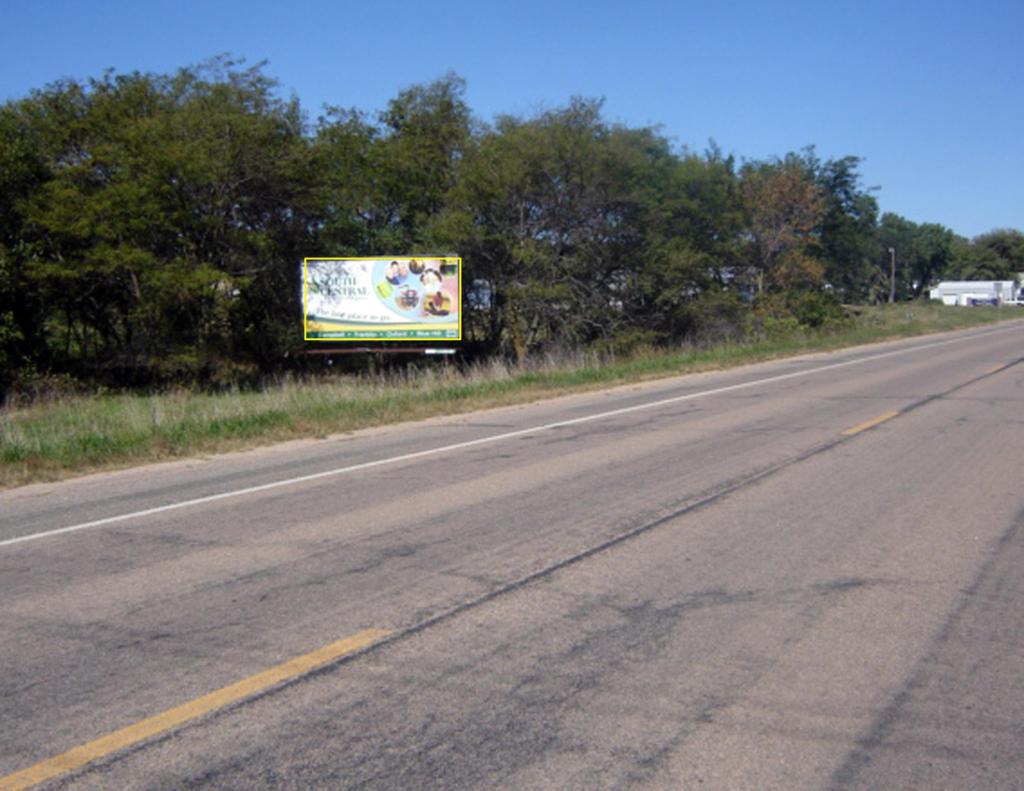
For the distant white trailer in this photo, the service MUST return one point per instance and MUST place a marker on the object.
(971, 292)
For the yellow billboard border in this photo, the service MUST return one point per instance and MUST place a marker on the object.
(305, 313)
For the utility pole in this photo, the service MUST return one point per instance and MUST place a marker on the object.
(892, 275)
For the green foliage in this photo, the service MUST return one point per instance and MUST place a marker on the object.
(152, 226)
(924, 253)
(379, 185)
(715, 316)
(815, 309)
(549, 214)
(784, 314)
(165, 199)
(849, 245)
(11, 334)
(996, 255)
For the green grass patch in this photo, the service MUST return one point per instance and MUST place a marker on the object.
(80, 434)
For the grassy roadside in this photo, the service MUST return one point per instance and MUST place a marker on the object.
(85, 434)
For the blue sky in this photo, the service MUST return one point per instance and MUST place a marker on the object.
(928, 93)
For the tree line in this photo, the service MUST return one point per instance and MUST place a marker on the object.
(152, 226)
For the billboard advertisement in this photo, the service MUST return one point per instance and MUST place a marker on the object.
(385, 298)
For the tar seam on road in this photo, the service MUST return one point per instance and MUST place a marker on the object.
(372, 640)
(881, 727)
(481, 441)
(248, 688)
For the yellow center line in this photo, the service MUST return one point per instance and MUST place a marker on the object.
(869, 423)
(79, 756)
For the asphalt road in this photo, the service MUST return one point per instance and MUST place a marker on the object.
(807, 574)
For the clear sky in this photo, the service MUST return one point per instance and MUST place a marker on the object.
(928, 93)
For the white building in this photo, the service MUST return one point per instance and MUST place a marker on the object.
(970, 292)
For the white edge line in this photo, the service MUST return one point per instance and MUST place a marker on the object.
(474, 442)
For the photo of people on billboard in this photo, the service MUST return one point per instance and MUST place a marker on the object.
(386, 298)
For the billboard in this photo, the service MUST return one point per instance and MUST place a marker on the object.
(385, 298)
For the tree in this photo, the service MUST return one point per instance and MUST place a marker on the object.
(151, 226)
(685, 267)
(924, 253)
(784, 206)
(169, 203)
(552, 214)
(848, 243)
(997, 255)
(23, 168)
(380, 184)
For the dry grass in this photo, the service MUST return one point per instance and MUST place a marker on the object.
(88, 433)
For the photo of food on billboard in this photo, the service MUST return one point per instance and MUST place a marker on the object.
(385, 298)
